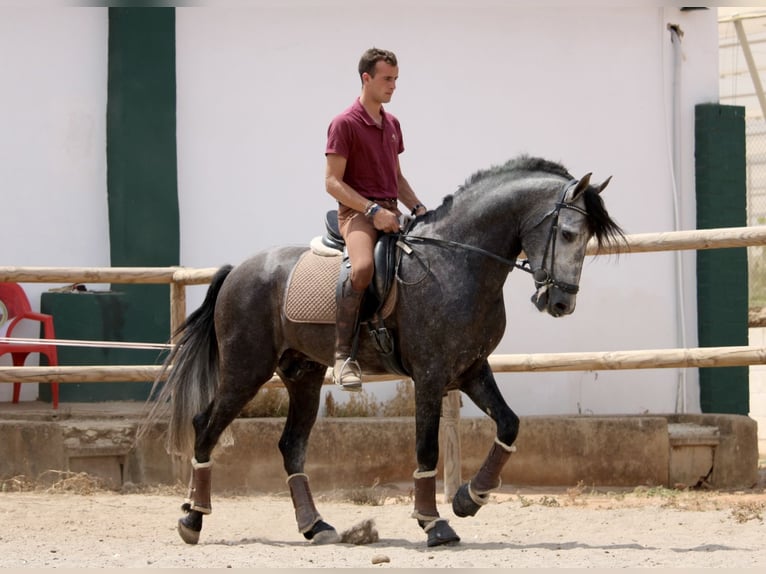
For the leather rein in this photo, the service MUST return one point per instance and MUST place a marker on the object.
(543, 276)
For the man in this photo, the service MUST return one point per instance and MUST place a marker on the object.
(363, 174)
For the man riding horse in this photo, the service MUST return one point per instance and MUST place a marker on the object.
(364, 175)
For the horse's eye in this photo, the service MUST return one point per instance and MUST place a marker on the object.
(567, 235)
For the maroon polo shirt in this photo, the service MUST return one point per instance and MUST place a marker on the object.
(370, 151)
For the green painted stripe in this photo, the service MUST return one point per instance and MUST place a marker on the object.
(141, 138)
(722, 291)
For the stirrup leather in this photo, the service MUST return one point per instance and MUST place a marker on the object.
(353, 368)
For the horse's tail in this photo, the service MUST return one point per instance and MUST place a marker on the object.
(192, 373)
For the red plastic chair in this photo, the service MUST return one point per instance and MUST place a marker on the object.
(14, 308)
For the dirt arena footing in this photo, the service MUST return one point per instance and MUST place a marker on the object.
(676, 451)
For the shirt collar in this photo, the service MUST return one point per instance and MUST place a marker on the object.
(359, 109)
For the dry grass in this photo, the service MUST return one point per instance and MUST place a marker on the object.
(274, 402)
(364, 405)
(403, 403)
(55, 482)
(358, 405)
(67, 482)
(749, 510)
(268, 402)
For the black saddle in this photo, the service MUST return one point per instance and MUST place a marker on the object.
(385, 258)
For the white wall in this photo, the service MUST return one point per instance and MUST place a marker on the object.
(480, 82)
(53, 65)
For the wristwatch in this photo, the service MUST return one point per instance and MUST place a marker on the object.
(372, 210)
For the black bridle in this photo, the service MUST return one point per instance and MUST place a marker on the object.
(543, 276)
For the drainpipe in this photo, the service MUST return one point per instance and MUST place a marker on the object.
(675, 37)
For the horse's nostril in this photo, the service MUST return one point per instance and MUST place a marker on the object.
(561, 308)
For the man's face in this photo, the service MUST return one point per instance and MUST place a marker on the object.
(381, 86)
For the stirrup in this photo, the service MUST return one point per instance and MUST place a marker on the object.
(354, 367)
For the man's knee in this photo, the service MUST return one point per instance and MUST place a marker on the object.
(361, 275)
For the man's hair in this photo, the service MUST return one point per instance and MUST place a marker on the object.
(371, 57)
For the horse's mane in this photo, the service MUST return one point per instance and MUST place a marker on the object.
(602, 226)
(521, 163)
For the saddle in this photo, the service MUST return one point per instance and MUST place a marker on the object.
(319, 266)
(385, 255)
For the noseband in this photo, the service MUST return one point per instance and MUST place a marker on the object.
(543, 275)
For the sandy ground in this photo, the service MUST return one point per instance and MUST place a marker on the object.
(538, 528)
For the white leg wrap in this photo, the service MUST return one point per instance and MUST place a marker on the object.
(431, 524)
(480, 498)
(505, 447)
(424, 473)
(303, 474)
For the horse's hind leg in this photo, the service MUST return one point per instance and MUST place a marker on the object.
(475, 493)
(303, 379)
(208, 427)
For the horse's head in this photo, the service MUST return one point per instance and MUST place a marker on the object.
(555, 243)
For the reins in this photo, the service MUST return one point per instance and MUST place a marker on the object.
(447, 243)
(542, 276)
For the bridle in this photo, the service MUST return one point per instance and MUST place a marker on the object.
(543, 276)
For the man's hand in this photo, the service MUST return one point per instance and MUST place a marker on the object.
(386, 220)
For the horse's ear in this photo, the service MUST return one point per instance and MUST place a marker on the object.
(603, 185)
(581, 186)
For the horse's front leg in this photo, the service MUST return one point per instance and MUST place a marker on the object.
(427, 414)
(303, 380)
(474, 494)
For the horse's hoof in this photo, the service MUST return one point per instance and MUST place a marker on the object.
(441, 533)
(322, 533)
(462, 503)
(188, 535)
(190, 526)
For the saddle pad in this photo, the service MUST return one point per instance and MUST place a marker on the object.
(310, 294)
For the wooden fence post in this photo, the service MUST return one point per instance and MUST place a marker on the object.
(451, 443)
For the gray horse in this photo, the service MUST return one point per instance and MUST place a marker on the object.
(449, 317)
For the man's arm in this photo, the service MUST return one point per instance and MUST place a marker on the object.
(335, 186)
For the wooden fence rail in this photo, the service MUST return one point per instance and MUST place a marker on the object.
(537, 362)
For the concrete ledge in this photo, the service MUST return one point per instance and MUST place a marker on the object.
(621, 451)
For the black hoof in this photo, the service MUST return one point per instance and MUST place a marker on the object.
(190, 526)
(322, 533)
(441, 533)
(462, 504)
